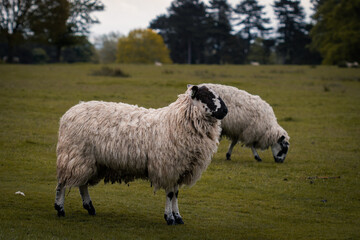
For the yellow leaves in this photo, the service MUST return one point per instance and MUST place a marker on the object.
(142, 46)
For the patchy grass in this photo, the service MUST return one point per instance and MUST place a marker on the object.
(238, 199)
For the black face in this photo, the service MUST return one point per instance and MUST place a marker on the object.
(211, 102)
(280, 150)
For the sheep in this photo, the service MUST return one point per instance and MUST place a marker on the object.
(169, 146)
(251, 121)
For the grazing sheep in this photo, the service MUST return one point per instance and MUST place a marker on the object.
(117, 142)
(251, 121)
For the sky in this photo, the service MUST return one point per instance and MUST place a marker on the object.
(122, 16)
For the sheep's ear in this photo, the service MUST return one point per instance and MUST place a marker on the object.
(282, 138)
(194, 90)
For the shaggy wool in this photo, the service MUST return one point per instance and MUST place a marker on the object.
(250, 120)
(121, 142)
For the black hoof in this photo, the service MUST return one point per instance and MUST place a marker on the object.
(178, 219)
(228, 156)
(60, 210)
(90, 208)
(257, 158)
(169, 220)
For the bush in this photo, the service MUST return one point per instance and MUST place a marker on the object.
(110, 72)
(39, 55)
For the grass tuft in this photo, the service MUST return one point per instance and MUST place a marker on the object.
(288, 119)
(110, 72)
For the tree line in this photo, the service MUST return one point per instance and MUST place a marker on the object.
(193, 32)
(220, 33)
(46, 30)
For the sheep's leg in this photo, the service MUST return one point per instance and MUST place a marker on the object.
(256, 155)
(59, 200)
(175, 207)
(232, 145)
(168, 215)
(87, 204)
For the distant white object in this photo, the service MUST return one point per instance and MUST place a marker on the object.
(158, 64)
(255, 63)
(352, 65)
(20, 193)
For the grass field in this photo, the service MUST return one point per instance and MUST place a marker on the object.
(237, 199)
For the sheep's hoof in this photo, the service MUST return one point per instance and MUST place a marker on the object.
(258, 158)
(170, 220)
(228, 156)
(178, 219)
(90, 208)
(60, 210)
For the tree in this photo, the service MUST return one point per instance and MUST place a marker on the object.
(292, 33)
(261, 51)
(107, 44)
(251, 18)
(14, 22)
(184, 30)
(336, 34)
(142, 46)
(80, 18)
(62, 23)
(83, 52)
(219, 31)
(58, 23)
(49, 25)
(317, 4)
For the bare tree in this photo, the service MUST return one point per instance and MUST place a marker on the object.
(14, 22)
(107, 46)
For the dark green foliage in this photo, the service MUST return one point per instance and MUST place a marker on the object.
(336, 34)
(292, 38)
(196, 33)
(83, 52)
(14, 23)
(250, 17)
(261, 51)
(184, 30)
(50, 25)
(219, 33)
(39, 55)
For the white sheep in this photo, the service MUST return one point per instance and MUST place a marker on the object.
(251, 121)
(169, 146)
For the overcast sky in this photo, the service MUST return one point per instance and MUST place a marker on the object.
(125, 15)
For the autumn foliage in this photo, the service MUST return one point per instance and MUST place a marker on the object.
(142, 46)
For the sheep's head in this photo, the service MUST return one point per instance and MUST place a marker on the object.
(280, 149)
(208, 101)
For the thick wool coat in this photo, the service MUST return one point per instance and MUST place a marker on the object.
(121, 142)
(250, 119)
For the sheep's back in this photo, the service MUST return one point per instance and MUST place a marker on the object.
(249, 116)
(110, 133)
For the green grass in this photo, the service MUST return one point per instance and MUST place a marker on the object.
(238, 199)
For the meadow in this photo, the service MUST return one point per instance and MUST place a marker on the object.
(314, 194)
